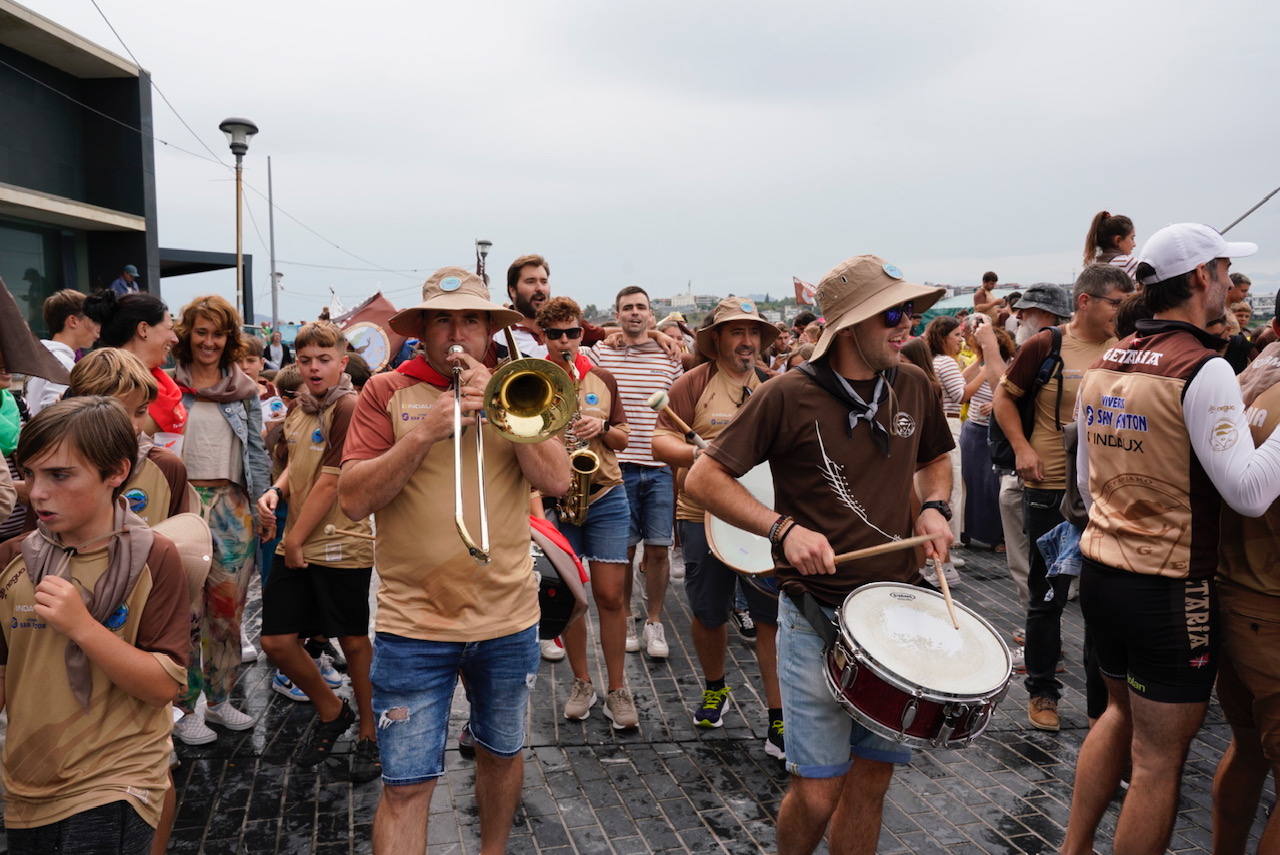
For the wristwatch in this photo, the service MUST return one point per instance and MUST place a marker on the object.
(940, 505)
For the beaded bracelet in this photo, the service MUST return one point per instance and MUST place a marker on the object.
(776, 529)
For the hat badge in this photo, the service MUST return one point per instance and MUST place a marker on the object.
(747, 306)
(892, 271)
(450, 283)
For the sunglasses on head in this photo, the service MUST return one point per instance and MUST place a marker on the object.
(894, 316)
(571, 332)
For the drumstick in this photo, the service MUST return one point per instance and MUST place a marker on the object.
(894, 546)
(660, 402)
(333, 529)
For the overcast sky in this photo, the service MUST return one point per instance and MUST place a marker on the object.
(733, 144)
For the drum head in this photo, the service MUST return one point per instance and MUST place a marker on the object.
(741, 550)
(908, 631)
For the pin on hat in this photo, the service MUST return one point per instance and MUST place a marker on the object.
(727, 311)
(451, 289)
(860, 288)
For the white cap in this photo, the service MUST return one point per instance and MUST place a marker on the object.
(1183, 247)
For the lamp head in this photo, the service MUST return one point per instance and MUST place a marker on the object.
(238, 132)
(483, 247)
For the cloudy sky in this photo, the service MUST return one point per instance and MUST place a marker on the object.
(730, 144)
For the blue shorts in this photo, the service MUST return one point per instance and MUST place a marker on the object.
(603, 537)
(821, 737)
(413, 683)
(652, 496)
(711, 586)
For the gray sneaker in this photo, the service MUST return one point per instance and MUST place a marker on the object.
(581, 699)
(620, 708)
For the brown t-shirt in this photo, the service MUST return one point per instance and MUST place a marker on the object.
(315, 444)
(836, 483)
(598, 397)
(1249, 548)
(1077, 355)
(707, 400)
(429, 586)
(60, 759)
(157, 489)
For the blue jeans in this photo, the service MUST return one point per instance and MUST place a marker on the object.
(603, 536)
(821, 737)
(413, 683)
(652, 496)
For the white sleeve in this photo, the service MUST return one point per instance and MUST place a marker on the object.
(1247, 478)
(41, 393)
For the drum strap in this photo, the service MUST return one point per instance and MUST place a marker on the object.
(813, 613)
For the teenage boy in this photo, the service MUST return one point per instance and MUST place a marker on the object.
(319, 581)
(87, 685)
(70, 329)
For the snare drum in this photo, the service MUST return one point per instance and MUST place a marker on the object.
(749, 554)
(901, 669)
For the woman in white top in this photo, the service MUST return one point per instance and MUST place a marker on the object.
(981, 521)
(227, 465)
(1111, 240)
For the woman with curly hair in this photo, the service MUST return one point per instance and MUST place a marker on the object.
(227, 465)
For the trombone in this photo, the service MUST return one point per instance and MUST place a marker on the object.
(526, 400)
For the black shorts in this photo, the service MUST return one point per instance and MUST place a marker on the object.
(315, 600)
(710, 585)
(1159, 635)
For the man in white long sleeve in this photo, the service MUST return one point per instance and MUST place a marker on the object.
(1163, 442)
(70, 329)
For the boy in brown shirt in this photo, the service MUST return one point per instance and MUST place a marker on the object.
(104, 672)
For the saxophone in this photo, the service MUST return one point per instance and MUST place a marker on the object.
(583, 463)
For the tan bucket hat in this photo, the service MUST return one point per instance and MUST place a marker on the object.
(862, 287)
(734, 309)
(451, 289)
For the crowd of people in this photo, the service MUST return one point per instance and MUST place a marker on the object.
(1113, 440)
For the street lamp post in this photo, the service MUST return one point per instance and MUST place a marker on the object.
(482, 252)
(238, 132)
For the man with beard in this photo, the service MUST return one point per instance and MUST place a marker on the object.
(707, 399)
(1164, 441)
(857, 442)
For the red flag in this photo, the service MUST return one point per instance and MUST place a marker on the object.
(806, 294)
(369, 333)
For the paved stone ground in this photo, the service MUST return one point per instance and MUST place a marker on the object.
(669, 787)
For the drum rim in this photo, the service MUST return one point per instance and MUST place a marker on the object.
(711, 545)
(896, 679)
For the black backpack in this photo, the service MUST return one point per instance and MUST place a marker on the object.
(1002, 455)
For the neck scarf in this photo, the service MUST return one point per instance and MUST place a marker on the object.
(419, 369)
(859, 410)
(167, 410)
(129, 544)
(313, 406)
(233, 385)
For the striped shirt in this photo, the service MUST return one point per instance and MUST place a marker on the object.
(948, 371)
(640, 369)
(1127, 263)
(980, 397)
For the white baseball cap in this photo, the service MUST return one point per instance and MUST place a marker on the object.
(1182, 247)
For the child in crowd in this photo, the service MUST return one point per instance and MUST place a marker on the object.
(93, 643)
(319, 581)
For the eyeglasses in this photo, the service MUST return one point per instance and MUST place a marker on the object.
(1112, 300)
(571, 333)
(894, 316)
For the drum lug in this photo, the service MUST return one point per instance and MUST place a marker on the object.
(951, 716)
(850, 674)
(909, 714)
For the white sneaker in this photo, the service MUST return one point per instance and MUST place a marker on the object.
(228, 716)
(248, 653)
(957, 561)
(551, 651)
(581, 699)
(633, 641)
(332, 678)
(952, 575)
(192, 730)
(677, 570)
(282, 685)
(655, 641)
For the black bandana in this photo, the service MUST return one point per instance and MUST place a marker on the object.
(859, 410)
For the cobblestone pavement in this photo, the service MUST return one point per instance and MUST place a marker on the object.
(670, 787)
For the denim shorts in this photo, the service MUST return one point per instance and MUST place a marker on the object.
(821, 737)
(413, 683)
(710, 586)
(652, 496)
(603, 537)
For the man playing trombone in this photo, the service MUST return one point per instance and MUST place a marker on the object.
(441, 610)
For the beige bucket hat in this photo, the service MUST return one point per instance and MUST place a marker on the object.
(862, 287)
(732, 309)
(451, 289)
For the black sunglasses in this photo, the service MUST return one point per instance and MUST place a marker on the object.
(894, 316)
(571, 332)
(289, 395)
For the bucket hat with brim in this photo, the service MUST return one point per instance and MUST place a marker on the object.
(451, 289)
(862, 287)
(727, 311)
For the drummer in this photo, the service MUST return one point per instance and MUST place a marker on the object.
(856, 441)
(707, 399)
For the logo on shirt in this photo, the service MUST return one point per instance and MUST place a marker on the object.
(117, 618)
(1224, 436)
(592, 398)
(138, 500)
(904, 425)
(317, 436)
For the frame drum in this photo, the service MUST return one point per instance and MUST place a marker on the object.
(749, 554)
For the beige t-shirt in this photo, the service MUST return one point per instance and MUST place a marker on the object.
(598, 398)
(60, 759)
(315, 449)
(157, 489)
(430, 588)
(210, 447)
